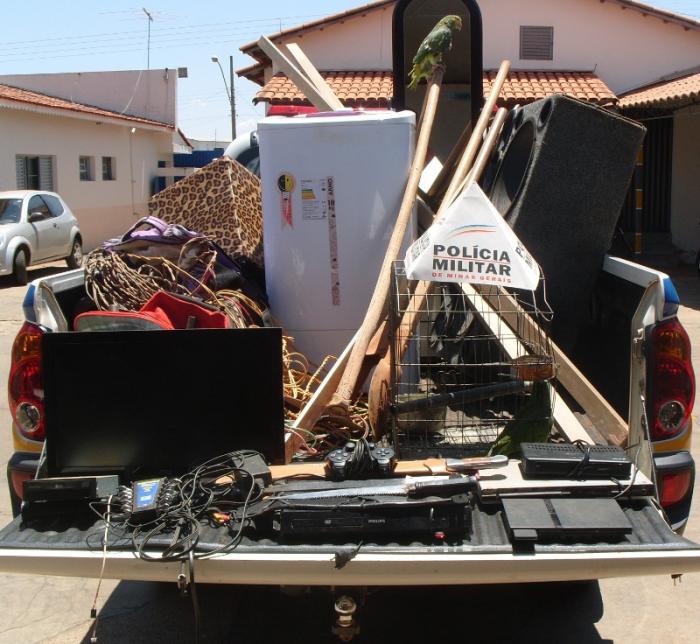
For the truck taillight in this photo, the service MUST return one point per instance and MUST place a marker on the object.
(17, 478)
(25, 386)
(674, 486)
(671, 380)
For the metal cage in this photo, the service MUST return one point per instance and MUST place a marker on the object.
(464, 360)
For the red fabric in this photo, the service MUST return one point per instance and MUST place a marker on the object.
(176, 311)
(163, 311)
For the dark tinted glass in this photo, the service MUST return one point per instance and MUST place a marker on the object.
(107, 169)
(37, 204)
(54, 204)
(10, 211)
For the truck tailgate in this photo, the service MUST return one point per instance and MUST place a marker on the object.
(61, 548)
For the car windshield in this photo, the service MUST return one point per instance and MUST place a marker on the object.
(10, 211)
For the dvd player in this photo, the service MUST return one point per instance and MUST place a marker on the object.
(431, 520)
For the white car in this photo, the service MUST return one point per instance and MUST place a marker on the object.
(35, 227)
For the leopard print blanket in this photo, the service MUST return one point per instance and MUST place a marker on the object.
(221, 200)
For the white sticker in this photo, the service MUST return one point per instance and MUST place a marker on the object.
(329, 184)
(314, 199)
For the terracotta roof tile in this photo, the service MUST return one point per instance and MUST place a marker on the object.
(673, 93)
(17, 95)
(528, 86)
(375, 89)
(354, 89)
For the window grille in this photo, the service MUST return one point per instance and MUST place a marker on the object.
(536, 43)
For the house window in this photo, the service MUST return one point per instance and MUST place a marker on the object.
(86, 168)
(536, 43)
(34, 172)
(108, 166)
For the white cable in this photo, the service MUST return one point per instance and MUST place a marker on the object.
(42, 458)
(133, 93)
(93, 611)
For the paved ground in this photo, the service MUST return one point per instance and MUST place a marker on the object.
(56, 610)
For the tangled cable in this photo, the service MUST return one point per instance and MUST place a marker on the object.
(112, 283)
(301, 380)
(196, 499)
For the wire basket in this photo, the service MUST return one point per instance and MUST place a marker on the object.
(464, 360)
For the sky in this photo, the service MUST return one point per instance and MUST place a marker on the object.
(46, 36)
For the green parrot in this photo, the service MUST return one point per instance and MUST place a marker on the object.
(431, 50)
(532, 422)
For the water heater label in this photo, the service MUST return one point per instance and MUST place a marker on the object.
(314, 199)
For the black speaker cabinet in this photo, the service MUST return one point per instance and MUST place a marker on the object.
(559, 177)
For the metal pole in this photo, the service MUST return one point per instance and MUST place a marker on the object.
(148, 45)
(233, 98)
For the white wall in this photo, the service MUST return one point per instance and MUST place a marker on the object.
(103, 208)
(154, 92)
(625, 48)
(685, 189)
(359, 43)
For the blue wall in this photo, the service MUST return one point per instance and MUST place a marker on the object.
(197, 158)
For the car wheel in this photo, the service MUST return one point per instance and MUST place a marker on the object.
(19, 267)
(697, 261)
(75, 259)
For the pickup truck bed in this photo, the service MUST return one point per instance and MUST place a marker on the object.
(68, 547)
(629, 298)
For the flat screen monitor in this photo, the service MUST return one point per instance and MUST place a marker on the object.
(147, 403)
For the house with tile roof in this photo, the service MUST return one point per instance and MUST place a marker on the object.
(95, 138)
(621, 54)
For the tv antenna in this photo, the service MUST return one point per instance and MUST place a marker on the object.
(148, 46)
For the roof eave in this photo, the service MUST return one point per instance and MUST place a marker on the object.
(674, 103)
(254, 73)
(186, 141)
(28, 106)
(678, 97)
(671, 17)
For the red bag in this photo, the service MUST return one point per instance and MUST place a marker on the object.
(163, 312)
(185, 313)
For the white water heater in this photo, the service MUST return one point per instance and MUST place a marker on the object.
(332, 185)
